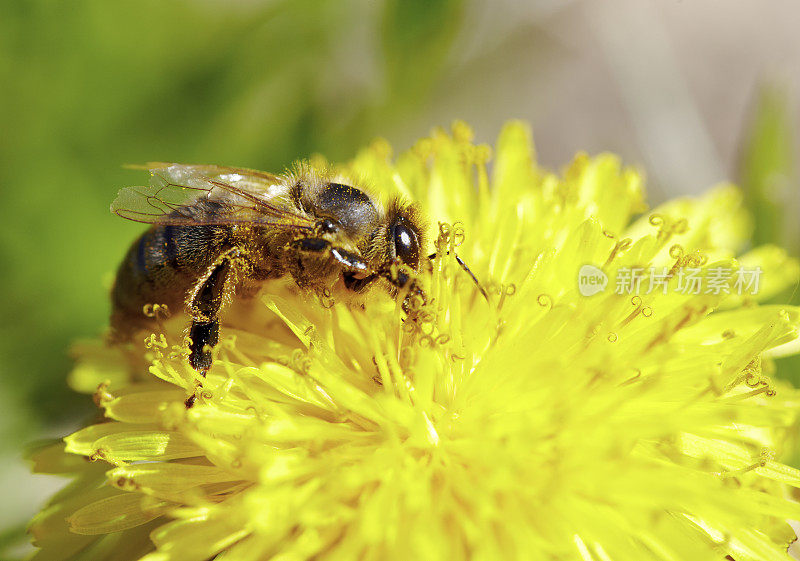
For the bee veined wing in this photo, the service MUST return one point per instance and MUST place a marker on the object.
(241, 195)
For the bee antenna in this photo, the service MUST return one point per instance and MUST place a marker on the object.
(470, 273)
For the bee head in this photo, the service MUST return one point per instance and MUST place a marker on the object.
(396, 240)
(348, 217)
(358, 230)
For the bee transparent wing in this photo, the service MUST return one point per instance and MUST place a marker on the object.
(242, 195)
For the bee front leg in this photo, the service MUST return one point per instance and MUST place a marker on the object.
(205, 302)
(403, 281)
(350, 263)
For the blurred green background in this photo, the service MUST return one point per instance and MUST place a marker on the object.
(692, 92)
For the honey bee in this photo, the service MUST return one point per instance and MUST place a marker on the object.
(216, 229)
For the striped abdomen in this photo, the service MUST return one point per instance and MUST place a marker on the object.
(160, 268)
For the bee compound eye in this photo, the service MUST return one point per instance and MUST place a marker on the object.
(406, 244)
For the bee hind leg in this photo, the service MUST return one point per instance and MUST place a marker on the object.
(204, 336)
(205, 302)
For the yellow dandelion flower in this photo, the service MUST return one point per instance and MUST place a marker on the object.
(610, 401)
